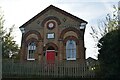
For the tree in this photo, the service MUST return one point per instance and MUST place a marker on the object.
(109, 57)
(1, 32)
(107, 35)
(105, 26)
(1, 23)
(109, 48)
(9, 46)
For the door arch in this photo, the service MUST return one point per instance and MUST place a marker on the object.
(50, 48)
(48, 45)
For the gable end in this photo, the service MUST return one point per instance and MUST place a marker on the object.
(57, 9)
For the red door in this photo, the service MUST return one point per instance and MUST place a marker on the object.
(50, 56)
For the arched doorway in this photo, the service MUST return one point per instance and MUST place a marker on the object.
(50, 48)
(50, 54)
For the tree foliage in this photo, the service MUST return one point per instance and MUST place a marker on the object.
(1, 23)
(1, 31)
(9, 46)
(109, 48)
(109, 56)
(105, 26)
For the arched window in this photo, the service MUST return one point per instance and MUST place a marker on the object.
(31, 51)
(71, 50)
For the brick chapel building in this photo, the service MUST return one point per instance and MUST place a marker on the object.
(53, 35)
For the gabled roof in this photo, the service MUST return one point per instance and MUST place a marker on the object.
(90, 59)
(57, 9)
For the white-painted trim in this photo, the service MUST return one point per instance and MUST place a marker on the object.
(30, 59)
(71, 58)
(28, 53)
(48, 50)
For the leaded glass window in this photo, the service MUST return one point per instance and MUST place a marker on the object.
(31, 51)
(71, 50)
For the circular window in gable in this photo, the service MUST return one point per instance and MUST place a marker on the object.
(51, 25)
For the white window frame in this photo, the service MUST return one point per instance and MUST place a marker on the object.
(50, 35)
(30, 47)
(71, 58)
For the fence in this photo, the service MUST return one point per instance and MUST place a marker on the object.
(37, 69)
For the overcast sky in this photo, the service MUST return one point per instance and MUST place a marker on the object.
(20, 11)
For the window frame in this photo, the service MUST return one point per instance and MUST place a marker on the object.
(49, 34)
(30, 48)
(71, 51)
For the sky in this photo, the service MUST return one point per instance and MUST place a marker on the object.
(17, 12)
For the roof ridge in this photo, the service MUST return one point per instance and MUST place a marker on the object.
(55, 8)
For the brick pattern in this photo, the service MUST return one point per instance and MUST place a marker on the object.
(58, 43)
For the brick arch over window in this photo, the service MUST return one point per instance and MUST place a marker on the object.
(51, 18)
(31, 40)
(71, 38)
(70, 29)
(51, 44)
(32, 32)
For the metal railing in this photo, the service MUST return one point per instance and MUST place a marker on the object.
(37, 69)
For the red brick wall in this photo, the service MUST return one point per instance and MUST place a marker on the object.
(63, 24)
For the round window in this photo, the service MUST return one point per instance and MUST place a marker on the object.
(51, 25)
